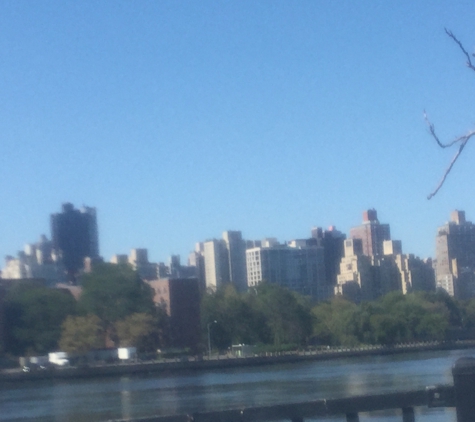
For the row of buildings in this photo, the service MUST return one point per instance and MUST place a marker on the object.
(74, 245)
(362, 266)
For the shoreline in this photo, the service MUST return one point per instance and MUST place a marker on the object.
(192, 364)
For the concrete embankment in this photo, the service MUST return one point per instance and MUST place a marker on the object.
(217, 363)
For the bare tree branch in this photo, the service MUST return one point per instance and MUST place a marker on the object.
(461, 140)
(434, 134)
(469, 61)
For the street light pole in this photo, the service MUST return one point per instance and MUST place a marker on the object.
(209, 338)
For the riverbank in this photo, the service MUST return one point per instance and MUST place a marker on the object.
(219, 362)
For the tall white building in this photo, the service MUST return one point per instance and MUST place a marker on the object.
(223, 260)
(415, 273)
(355, 280)
(365, 278)
(138, 259)
(216, 263)
(455, 254)
(196, 260)
(37, 260)
(296, 265)
(236, 256)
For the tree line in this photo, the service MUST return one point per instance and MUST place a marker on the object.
(116, 308)
(272, 315)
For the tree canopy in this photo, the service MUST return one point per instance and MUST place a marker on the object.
(141, 330)
(273, 315)
(117, 305)
(113, 292)
(268, 314)
(33, 317)
(81, 334)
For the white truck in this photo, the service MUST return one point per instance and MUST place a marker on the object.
(127, 353)
(58, 358)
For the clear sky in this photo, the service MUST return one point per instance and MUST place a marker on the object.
(178, 120)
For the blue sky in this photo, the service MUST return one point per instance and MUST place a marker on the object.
(178, 120)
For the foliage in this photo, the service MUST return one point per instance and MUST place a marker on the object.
(81, 334)
(468, 312)
(272, 315)
(33, 317)
(334, 322)
(268, 314)
(141, 330)
(391, 319)
(116, 304)
(113, 292)
(287, 319)
(237, 322)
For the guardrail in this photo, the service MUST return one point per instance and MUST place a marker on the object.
(461, 396)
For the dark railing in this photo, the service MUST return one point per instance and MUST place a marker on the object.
(461, 396)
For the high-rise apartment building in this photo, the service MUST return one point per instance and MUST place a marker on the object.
(120, 259)
(236, 255)
(365, 278)
(355, 280)
(415, 274)
(332, 242)
(223, 261)
(455, 254)
(216, 263)
(386, 275)
(36, 261)
(138, 260)
(297, 265)
(196, 260)
(74, 235)
(372, 233)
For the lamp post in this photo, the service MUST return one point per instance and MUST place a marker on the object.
(209, 338)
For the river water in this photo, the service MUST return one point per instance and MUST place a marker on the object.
(90, 400)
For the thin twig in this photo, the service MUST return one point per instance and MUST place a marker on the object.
(463, 141)
(434, 135)
(469, 61)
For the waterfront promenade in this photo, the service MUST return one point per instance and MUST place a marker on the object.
(221, 361)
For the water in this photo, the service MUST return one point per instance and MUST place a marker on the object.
(129, 397)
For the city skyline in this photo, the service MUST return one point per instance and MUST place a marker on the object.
(367, 216)
(179, 121)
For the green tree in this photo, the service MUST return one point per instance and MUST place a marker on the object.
(113, 292)
(235, 318)
(334, 322)
(33, 317)
(362, 321)
(286, 317)
(393, 318)
(412, 317)
(81, 334)
(268, 314)
(451, 305)
(468, 318)
(141, 330)
(387, 329)
(213, 308)
(432, 326)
